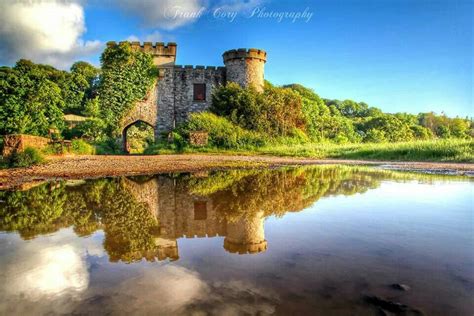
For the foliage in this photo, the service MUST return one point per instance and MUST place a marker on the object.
(445, 127)
(108, 146)
(34, 97)
(276, 112)
(30, 102)
(26, 158)
(36, 211)
(92, 108)
(81, 147)
(92, 129)
(222, 132)
(139, 137)
(127, 75)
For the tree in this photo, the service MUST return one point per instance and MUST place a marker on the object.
(393, 129)
(30, 102)
(276, 112)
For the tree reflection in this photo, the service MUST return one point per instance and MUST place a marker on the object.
(142, 218)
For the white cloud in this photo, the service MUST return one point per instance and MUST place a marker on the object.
(238, 5)
(164, 14)
(152, 37)
(44, 31)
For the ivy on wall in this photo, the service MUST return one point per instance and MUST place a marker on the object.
(127, 75)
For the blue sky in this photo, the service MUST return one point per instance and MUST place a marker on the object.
(401, 56)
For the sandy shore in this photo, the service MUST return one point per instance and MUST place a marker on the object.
(80, 167)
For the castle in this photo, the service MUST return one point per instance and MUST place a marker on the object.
(182, 214)
(181, 90)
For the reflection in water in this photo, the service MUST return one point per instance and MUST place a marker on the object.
(143, 217)
(52, 271)
(64, 246)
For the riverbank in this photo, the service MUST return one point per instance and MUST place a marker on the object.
(92, 166)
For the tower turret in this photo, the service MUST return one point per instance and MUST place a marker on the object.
(245, 67)
(246, 235)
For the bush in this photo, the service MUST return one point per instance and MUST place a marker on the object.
(276, 111)
(222, 132)
(28, 157)
(109, 146)
(81, 147)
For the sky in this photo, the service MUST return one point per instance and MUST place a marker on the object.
(399, 55)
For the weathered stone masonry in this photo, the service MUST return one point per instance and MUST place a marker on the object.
(175, 93)
(173, 98)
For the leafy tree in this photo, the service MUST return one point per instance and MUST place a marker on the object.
(393, 129)
(276, 111)
(30, 102)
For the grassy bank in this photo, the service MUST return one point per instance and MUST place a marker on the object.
(433, 150)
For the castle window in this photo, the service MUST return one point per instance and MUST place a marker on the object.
(200, 210)
(199, 92)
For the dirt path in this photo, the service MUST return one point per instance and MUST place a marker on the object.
(77, 167)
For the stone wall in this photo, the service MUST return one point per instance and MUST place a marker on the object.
(18, 143)
(176, 93)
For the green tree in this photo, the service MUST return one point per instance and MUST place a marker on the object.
(276, 111)
(30, 102)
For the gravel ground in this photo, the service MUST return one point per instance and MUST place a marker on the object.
(80, 167)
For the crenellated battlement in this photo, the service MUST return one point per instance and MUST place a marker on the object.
(242, 53)
(163, 55)
(242, 249)
(199, 67)
(158, 48)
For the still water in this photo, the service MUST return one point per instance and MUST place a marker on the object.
(299, 241)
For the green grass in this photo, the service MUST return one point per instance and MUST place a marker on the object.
(433, 150)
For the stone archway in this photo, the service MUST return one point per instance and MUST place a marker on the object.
(125, 141)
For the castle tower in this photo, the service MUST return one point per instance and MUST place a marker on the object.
(246, 67)
(246, 235)
(163, 55)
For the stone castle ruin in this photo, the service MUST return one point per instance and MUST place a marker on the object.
(182, 214)
(181, 90)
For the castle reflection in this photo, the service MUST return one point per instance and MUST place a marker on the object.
(144, 217)
(182, 214)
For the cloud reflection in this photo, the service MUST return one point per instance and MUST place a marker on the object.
(54, 271)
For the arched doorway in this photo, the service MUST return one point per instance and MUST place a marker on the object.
(137, 137)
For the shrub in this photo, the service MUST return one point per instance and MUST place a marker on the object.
(222, 132)
(28, 157)
(81, 147)
(276, 111)
(109, 146)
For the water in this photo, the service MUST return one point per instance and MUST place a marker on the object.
(312, 240)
